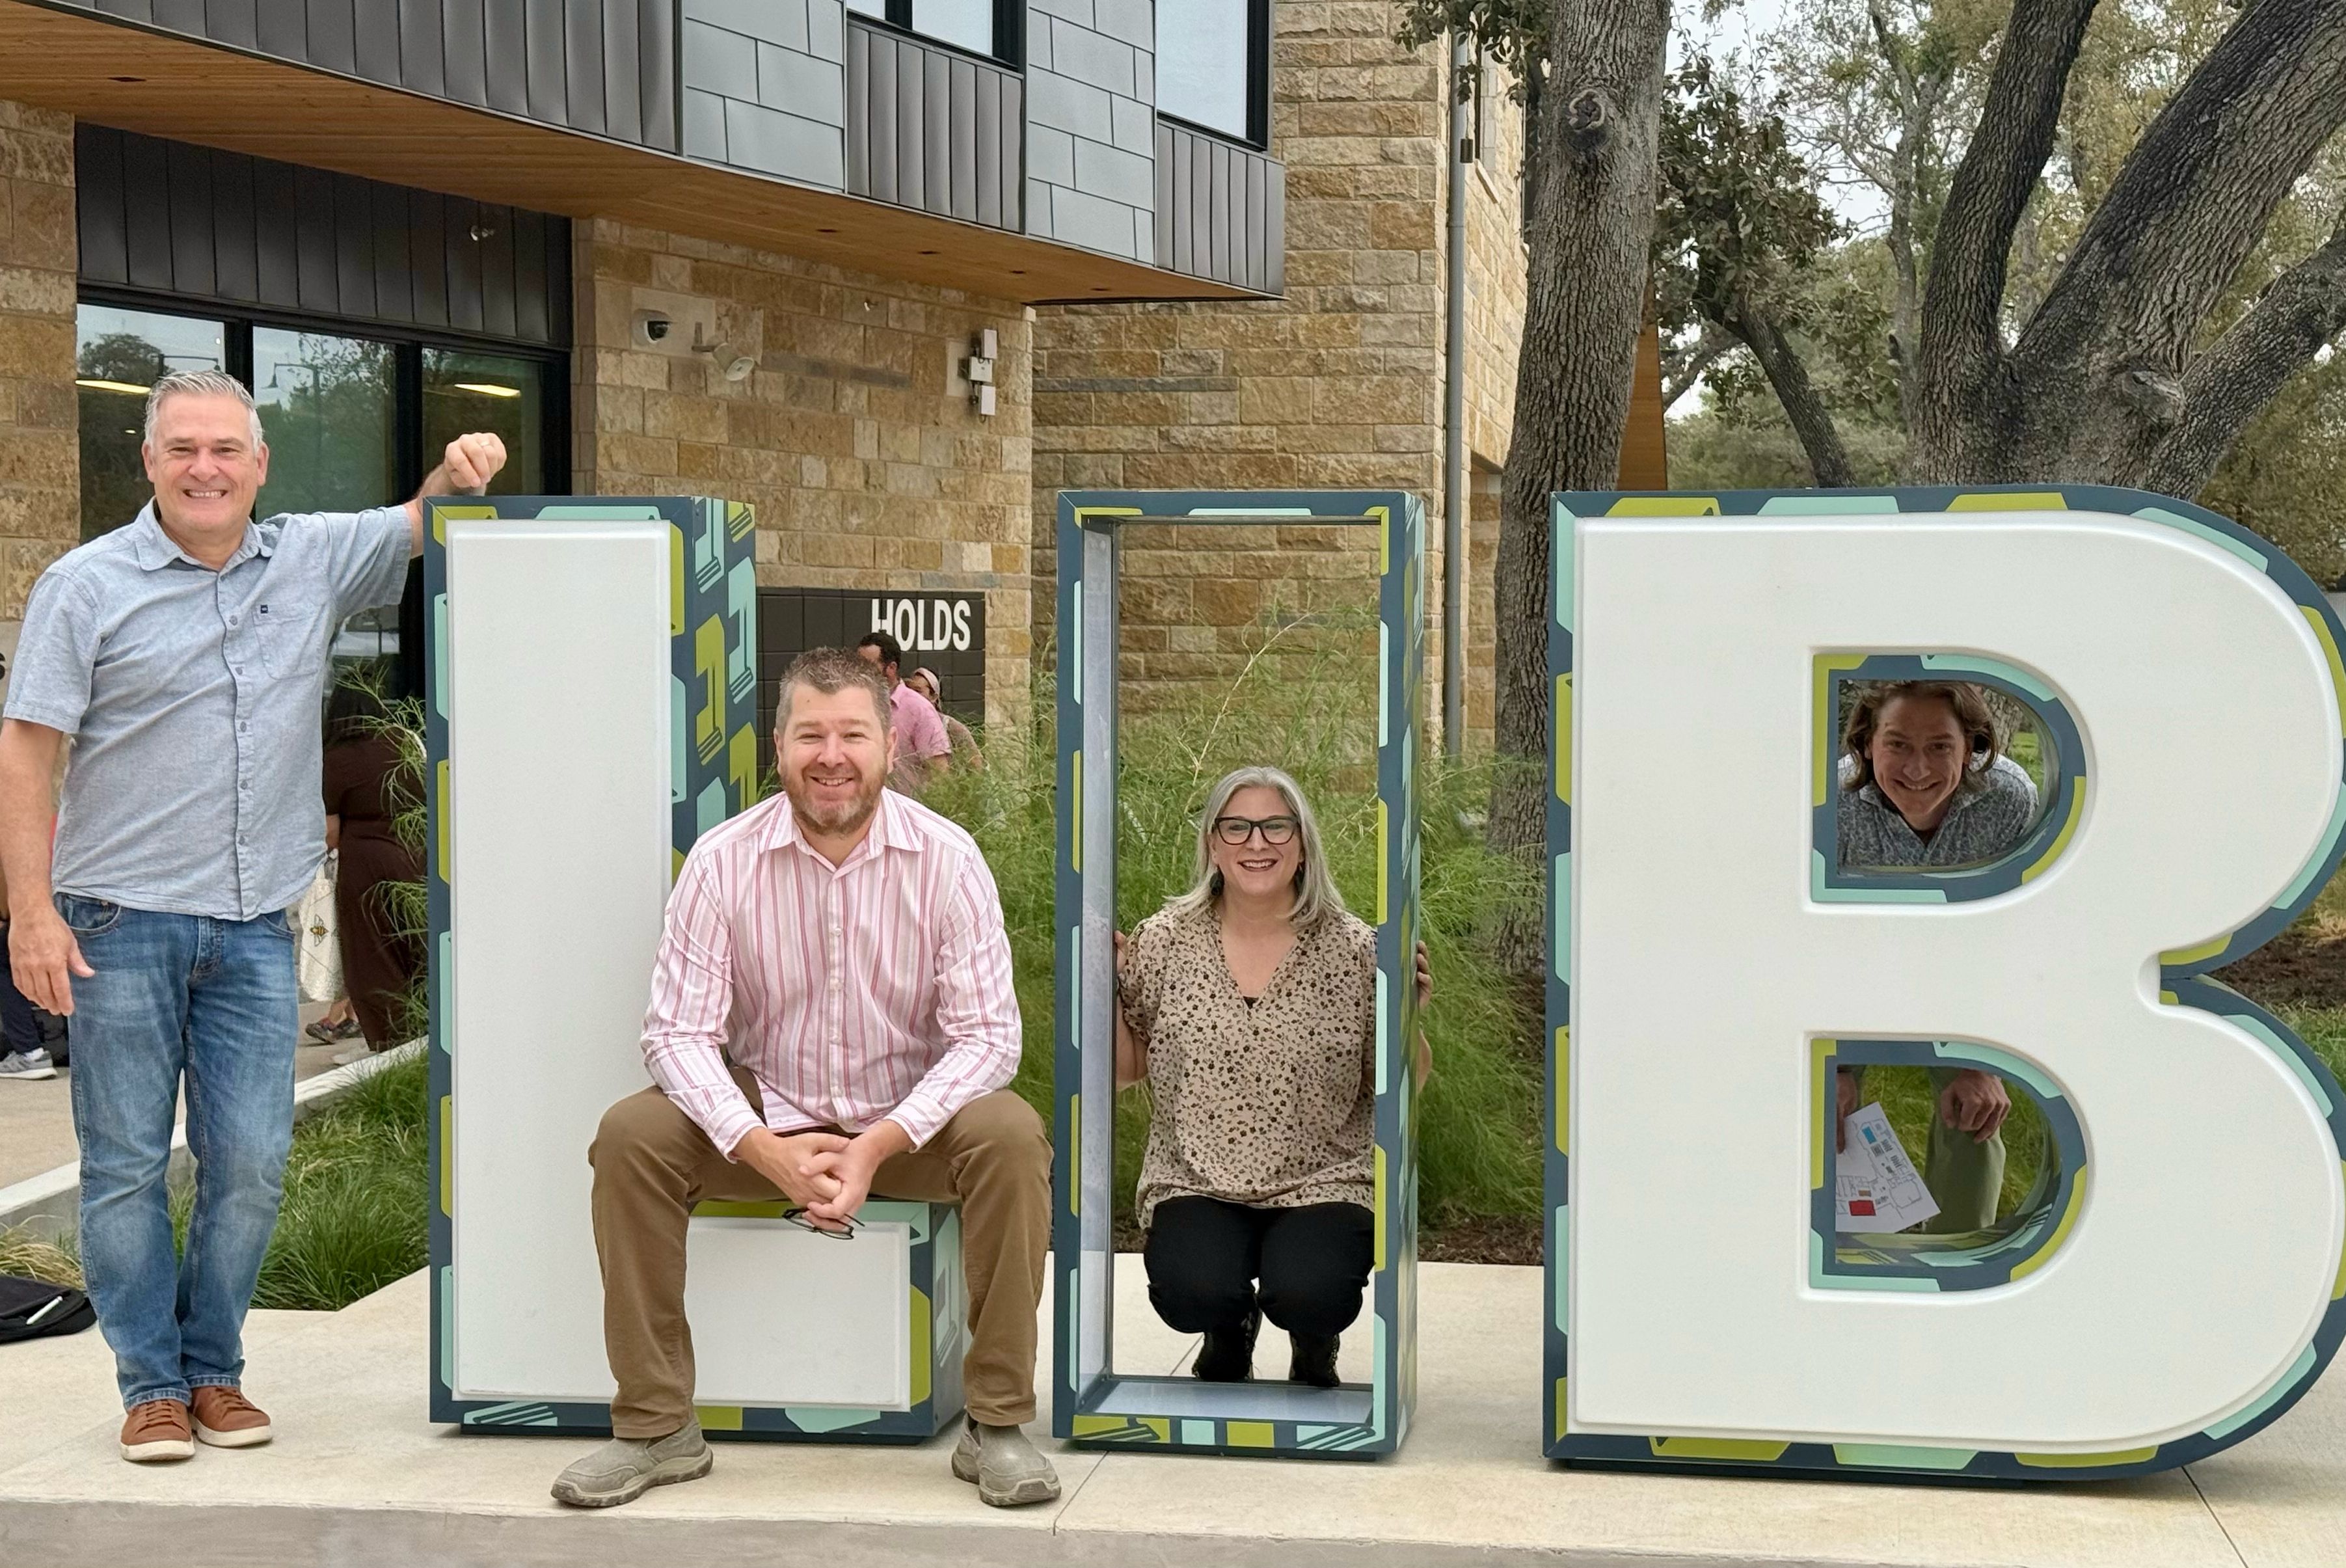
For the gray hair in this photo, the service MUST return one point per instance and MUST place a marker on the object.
(200, 383)
(1315, 890)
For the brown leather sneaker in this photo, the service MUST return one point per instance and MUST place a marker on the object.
(226, 1418)
(156, 1430)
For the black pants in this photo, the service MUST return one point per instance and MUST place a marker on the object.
(20, 1030)
(1204, 1257)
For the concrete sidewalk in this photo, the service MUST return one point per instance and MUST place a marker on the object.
(358, 1476)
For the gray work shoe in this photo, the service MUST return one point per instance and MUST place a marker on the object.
(1007, 1469)
(624, 1469)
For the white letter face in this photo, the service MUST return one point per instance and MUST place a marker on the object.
(1705, 962)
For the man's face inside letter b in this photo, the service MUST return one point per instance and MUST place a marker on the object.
(2189, 1286)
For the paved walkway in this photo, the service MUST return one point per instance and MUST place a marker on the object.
(359, 1478)
(37, 1115)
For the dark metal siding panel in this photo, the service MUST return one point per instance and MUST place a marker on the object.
(427, 220)
(529, 279)
(1219, 213)
(334, 29)
(423, 60)
(464, 265)
(281, 28)
(316, 285)
(354, 247)
(1013, 152)
(883, 79)
(276, 234)
(961, 134)
(464, 50)
(236, 260)
(985, 141)
(496, 248)
(232, 22)
(182, 16)
(1200, 205)
(936, 127)
(623, 91)
(149, 227)
(543, 28)
(1163, 169)
(506, 25)
(130, 10)
(187, 200)
(394, 269)
(1274, 226)
(1250, 266)
(582, 66)
(656, 31)
(100, 221)
(911, 136)
(375, 42)
(859, 112)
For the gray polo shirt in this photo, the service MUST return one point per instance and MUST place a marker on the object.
(194, 700)
(1980, 825)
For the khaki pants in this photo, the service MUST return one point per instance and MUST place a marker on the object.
(652, 1163)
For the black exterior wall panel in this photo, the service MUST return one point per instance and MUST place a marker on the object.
(422, 59)
(859, 109)
(656, 28)
(130, 10)
(189, 197)
(334, 35)
(376, 44)
(505, 30)
(542, 26)
(281, 28)
(464, 51)
(192, 224)
(582, 66)
(623, 94)
(232, 22)
(184, 15)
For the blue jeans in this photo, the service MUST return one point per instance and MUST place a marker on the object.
(214, 1001)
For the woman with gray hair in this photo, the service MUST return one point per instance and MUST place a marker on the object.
(1249, 1002)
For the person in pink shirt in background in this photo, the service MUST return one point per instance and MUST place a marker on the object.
(923, 749)
(831, 1016)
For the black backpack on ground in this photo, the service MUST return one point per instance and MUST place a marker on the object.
(32, 1307)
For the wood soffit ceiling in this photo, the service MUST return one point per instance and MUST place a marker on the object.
(194, 91)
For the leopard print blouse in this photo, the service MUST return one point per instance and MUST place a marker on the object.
(1272, 1103)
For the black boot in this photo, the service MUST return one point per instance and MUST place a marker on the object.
(1228, 1354)
(1314, 1360)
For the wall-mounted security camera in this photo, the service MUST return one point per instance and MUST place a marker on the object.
(651, 327)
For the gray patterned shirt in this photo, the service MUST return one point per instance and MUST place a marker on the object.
(1980, 825)
(193, 698)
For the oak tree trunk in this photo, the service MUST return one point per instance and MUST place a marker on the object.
(1591, 222)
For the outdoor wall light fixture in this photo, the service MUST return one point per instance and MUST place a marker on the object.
(983, 349)
(736, 366)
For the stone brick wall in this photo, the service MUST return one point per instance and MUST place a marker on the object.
(1091, 124)
(40, 462)
(854, 437)
(1337, 385)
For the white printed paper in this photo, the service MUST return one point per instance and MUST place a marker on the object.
(1878, 1187)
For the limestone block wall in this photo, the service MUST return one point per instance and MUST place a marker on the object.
(1091, 124)
(40, 460)
(854, 437)
(765, 86)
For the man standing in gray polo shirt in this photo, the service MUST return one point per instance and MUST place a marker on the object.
(186, 656)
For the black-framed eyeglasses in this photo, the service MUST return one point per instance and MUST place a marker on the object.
(1237, 830)
(839, 1231)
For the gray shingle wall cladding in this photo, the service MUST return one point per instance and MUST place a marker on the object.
(765, 86)
(1091, 124)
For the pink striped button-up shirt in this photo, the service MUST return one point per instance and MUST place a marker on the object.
(879, 988)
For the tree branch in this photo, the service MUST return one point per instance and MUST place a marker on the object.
(1679, 376)
(1984, 202)
(2194, 198)
(1811, 420)
(2300, 311)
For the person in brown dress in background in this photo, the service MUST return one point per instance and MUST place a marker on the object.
(378, 961)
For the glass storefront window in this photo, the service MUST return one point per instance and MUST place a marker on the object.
(466, 391)
(1203, 60)
(117, 355)
(329, 412)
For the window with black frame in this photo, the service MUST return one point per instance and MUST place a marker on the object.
(988, 28)
(1198, 41)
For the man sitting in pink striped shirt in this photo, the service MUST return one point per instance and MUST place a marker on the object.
(831, 1016)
